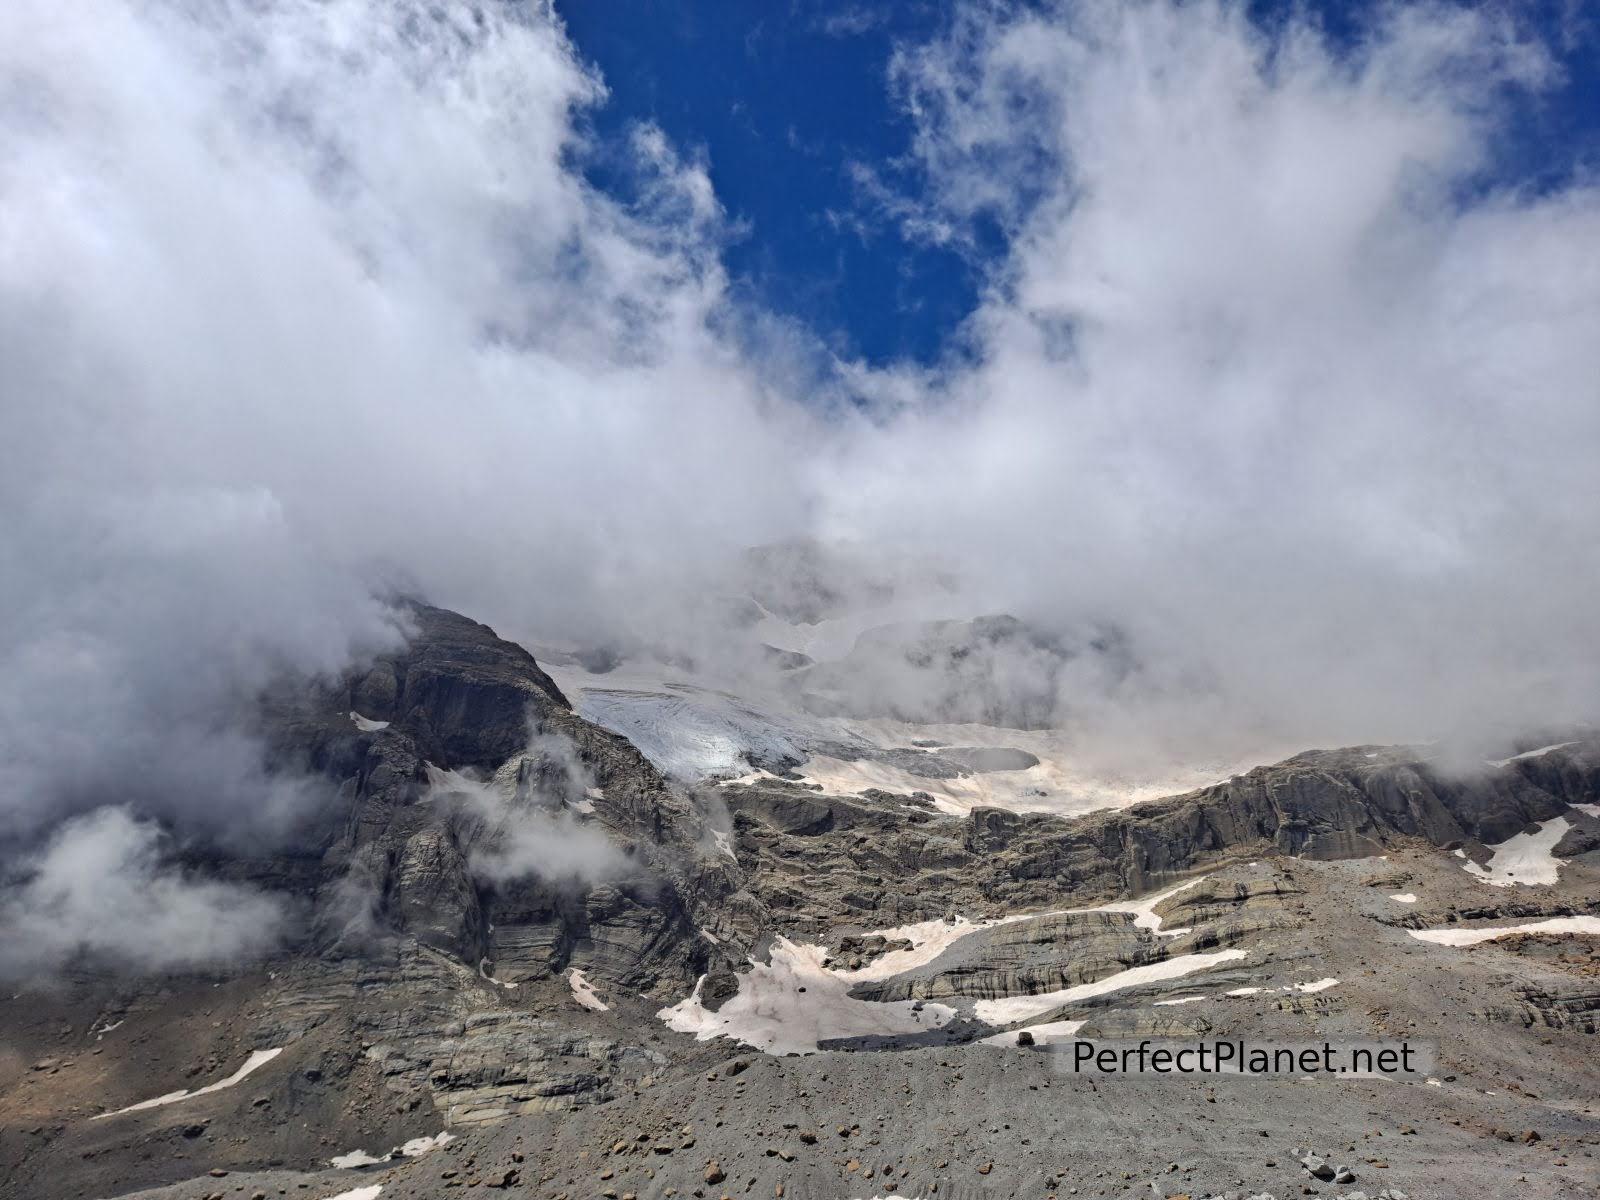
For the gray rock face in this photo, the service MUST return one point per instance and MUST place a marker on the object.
(461, 699)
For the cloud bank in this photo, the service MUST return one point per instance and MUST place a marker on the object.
(302, 300)
(1272, 377)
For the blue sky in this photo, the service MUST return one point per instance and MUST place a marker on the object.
(783, 101)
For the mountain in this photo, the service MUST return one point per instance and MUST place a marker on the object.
(577, 931)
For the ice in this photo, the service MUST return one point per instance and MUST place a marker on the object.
(1525, 858)
(692, 729)
(367, 726)
(687, 730)
(1007, 1009)
(1457, 936)
(583, 992)
(257, 1060)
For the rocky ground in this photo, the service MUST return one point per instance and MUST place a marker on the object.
(773, 992)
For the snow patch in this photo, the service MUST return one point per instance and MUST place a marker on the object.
(1020, 1008)
(1179, 1000)
(1043, 1034)
(367, 726)
(370, 1192)
(930, 939)
(257, 1060)
(1471, 937)
(415, 1148)
(724, 843)
(1317, 985)
(583, 992)
(1404, 897)
(1525, 858)
(792, 1003)
(1145, 916)
(1592, 809)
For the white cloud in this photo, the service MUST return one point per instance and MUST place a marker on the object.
(1270, 376)
(103, 886)
(300, 298)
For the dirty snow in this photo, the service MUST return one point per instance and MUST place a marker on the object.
(367, 726)
(793, 1002)
(1059, 783)
(724, 843)
(583, 992)
(1457, 936)
(1007, 1009)
(370, 1192)
(1404, 897)
(1525, 858)
(1592, 809)
(257, 1060)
